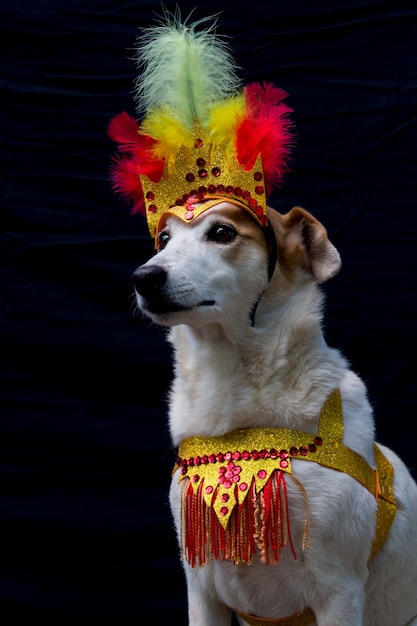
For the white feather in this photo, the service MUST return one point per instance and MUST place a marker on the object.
(184, 69)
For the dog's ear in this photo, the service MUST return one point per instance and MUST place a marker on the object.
(301, 232)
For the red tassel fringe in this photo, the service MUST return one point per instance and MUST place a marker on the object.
(260, 524)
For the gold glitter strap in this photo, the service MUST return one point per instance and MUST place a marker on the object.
(334, 453)
(305, 618)
(384, 487)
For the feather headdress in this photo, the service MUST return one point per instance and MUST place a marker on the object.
(203, 137)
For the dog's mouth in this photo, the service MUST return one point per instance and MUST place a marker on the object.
(164, 306)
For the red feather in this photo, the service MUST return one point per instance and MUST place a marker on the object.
(123, 129)
(257, 94)
(265, 129)
(135, 159)
(126, 182)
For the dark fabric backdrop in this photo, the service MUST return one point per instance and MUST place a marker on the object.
(85, 528)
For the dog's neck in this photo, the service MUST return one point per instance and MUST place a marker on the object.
(231, 375)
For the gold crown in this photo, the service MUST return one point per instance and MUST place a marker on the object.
(204, 176)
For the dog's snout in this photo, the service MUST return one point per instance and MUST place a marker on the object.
(149, 280)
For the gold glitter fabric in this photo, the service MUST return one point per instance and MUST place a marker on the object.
(305, 618)
(222, 473)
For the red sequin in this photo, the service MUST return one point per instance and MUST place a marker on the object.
(258, 176)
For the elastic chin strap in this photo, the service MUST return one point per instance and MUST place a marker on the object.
(272, 259)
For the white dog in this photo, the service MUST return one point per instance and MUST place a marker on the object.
(263, 532)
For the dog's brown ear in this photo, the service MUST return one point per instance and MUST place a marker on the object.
(320, 255)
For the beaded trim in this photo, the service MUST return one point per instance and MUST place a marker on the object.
(272, 453)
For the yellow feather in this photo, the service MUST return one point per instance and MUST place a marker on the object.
(224, 117)
(169, 133)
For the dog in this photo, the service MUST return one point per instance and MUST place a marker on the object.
(244, 317)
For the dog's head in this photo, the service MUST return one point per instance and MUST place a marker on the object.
(224, 265)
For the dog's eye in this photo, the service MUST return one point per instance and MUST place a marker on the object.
(163, 239)
(221, 233)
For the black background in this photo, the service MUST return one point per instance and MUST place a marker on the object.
(85, 529)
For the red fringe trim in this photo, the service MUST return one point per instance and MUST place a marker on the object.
(260, 524)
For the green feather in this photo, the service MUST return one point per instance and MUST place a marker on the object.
(184, 68)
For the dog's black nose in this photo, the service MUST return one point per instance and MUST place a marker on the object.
(149, 280)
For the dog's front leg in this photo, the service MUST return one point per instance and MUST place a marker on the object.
(204, 606)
